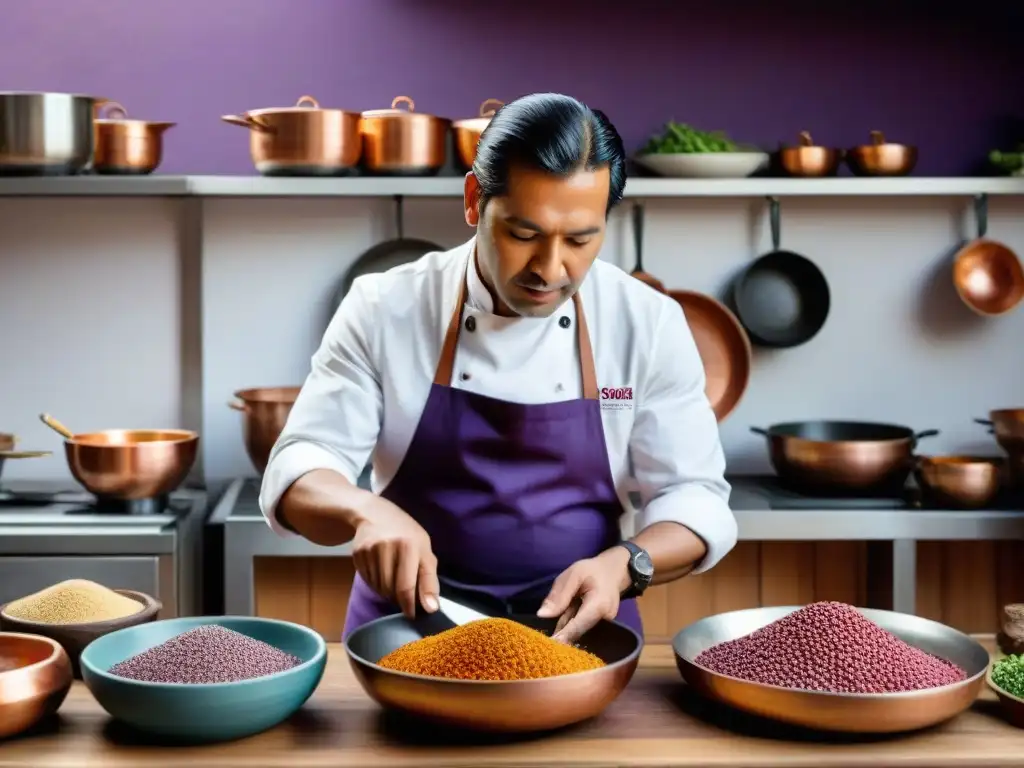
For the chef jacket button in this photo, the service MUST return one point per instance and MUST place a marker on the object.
(464, 376)
(564, 321)
(470, 324)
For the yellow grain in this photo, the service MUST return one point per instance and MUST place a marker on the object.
(76, 601)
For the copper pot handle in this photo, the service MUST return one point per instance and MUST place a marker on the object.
(308, 101)
(109, 109)
(805, 139)
(247, 121)
(495, 105)
(237, 406)
(760, 431)
(877, 138)
(403, 100)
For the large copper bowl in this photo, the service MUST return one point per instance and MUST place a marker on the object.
(132, 463)
(837, 712)
(513, 706)
(266, 411)
(35, 677)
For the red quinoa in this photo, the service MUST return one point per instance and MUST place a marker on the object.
(829, 647)
(206, 654)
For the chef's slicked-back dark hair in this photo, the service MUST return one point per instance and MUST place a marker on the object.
(553, 133)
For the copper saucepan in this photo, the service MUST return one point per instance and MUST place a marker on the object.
(126, 147)
(987, 275)
(844, 456)
(403, 142)
(128, 463)
(959, 482)
(266, 411)
(304, 140)
(880, 158)
(807, 160)
(467, 132)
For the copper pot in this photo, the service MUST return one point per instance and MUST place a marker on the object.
(403, 142)
(880, 158)
(266, 411)
(126, 147)
(847, 456)
(467, 132)
(304, 140)
(807, 160)
(959, 482)
(35, 677)
(1008, 426)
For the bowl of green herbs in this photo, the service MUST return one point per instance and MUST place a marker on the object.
(684, 152)
(1006, 678)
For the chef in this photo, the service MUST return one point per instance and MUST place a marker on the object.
(510, 393)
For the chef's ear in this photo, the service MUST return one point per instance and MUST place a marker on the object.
(471, 198)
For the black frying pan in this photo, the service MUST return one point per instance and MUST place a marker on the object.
(782, 299)
(384, 256)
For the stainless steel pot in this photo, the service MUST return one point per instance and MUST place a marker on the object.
(46, 134)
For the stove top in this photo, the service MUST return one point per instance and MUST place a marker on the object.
(43, 504)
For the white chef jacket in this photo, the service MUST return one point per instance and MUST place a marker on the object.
(373, 371)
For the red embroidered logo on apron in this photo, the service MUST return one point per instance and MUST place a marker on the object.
(616, 398)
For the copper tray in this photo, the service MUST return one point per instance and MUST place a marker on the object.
(724, 349)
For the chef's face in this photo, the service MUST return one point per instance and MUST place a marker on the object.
(535, 244)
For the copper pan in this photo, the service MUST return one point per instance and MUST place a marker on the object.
(126, 147)
(128, 463)
(842, 456)
(468, 132)
(266, 411)
(304, 140)
(638, 245)
(809, 161)
(959, 482)
(403, 142)
(723, 346)
(880, 158)
(987, 275)
(8, 450)
(35, 677)
(1008, 426)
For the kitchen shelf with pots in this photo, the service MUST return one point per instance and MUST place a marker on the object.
(451, 186)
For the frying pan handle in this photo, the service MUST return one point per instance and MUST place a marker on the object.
(760, 431)
(981, 214)
(925, 433)
(775, 218)
(638, 235)
(237, 406)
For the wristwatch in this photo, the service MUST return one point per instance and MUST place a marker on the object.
(641, 570)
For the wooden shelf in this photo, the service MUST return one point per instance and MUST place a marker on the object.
(259, 186)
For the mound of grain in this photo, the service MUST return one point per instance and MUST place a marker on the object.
(76, 601)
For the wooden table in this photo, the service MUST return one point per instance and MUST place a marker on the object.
(656, 722)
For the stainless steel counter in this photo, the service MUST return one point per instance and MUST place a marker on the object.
(760, 514)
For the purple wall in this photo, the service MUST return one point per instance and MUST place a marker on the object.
(761, 70)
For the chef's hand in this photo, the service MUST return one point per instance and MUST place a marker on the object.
(586, 592)
(392, 553)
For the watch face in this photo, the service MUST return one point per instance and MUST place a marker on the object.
(643, 565)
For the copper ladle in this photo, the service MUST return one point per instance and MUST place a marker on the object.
(56, 426)
(638, 241)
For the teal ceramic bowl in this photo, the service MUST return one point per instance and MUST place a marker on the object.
(206, 713)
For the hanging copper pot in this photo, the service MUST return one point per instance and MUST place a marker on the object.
(467, 132)
(403, 142)
(126, 147)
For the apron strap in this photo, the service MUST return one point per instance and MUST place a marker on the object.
(446, 364)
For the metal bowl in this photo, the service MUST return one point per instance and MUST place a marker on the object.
(959, 482)
(881, 158)
(132, 463)
(508, 706)
(35, 677)
(838, 712)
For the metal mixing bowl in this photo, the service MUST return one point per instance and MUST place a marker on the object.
(839, 712)
(496, 706)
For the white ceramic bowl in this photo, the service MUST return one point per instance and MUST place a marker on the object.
(705, 165)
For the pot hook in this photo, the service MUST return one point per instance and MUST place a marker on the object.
(981, 214)
(775, 218)
(638, 235)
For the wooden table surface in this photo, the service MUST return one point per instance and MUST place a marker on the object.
(656, 722)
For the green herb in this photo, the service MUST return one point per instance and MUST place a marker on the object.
(679, 138)
(1008, 674)
(1007, 162)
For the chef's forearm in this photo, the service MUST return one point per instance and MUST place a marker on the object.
(674, 549)
(323, 507)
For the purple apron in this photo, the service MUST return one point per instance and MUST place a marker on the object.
(510, 494)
